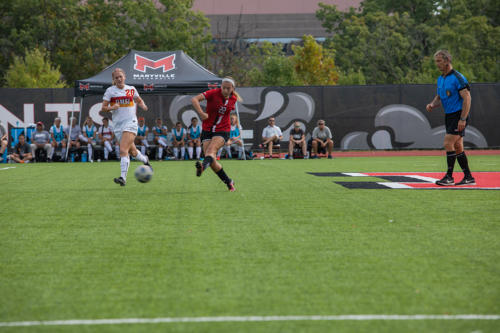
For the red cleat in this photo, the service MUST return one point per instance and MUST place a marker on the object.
(231, 187)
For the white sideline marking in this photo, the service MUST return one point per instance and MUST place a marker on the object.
(245, 319)
(394, 185)
(7, 168)
(428, 179)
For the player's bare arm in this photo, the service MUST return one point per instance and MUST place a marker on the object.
(434, 104)
(465, 94)
(140, 103)
(197, 107)
(107, 108)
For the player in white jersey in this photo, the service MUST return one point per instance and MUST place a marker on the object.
(121, 99)
(106, 137)
(89, 133)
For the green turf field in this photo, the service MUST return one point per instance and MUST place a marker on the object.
(74, 245)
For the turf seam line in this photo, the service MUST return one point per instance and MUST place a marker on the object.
(248, 319)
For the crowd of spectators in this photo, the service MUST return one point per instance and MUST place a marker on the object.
(99, 143)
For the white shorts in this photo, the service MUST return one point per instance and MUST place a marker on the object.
(129, 126)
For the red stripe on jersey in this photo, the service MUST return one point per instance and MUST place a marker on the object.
(123, 101)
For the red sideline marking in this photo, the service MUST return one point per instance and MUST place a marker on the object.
(389, 153)
(383, 153)
(483, 179)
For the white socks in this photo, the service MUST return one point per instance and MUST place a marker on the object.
(198, 152)
(183, 152)
(190, 152)
(141, 157)
(160, 152)
(124, 163)
(228, 151)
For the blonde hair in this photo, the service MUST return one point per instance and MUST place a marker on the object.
(230, 79)
(236, 122)
(117, 69)
(445, 54)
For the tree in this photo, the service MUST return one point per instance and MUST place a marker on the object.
(314, 65)
(83, 37)
(33, 71)
(271, 67)
(393, 41)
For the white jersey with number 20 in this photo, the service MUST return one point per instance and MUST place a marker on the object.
(125, 98)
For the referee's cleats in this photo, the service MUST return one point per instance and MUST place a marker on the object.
(446, 181)
(199, 168)
(468, 180)
(120, 181)
(230, 186)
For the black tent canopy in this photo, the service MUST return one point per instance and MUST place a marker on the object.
(170, 72)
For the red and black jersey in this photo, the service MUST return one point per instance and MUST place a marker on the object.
(219, 109)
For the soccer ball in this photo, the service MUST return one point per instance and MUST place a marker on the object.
(143, 173)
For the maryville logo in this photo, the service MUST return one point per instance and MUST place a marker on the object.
(149, 87)
(411, 180)
(167, 63)
(84, 86)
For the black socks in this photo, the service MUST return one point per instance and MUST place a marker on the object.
(464, 164)
(450, 158)
(222, 175)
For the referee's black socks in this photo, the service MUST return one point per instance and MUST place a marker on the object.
(450, 158)
(222, 175)
(464, 164)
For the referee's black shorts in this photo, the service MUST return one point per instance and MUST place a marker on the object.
(451, 123)
(206, 135)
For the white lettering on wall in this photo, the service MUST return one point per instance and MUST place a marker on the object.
(7, 117)
(62, 110)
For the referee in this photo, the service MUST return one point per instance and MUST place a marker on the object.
(453, 93)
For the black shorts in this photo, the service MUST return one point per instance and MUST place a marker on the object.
(451, 123)
(206, 135)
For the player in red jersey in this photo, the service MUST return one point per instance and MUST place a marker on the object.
(216, 125)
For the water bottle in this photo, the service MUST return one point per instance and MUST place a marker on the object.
(84, 156)
(72, 157)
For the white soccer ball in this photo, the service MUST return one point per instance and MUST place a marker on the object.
(143, 173)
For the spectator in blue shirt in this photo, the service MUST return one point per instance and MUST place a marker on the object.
(453, 93)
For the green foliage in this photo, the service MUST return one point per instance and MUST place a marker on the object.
(33, 71)
(271, 66)
(83, 37)
(391, 41)
(314, 64)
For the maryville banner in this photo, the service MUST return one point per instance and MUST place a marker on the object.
(360, 117)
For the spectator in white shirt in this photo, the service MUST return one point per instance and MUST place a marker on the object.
(271, 135)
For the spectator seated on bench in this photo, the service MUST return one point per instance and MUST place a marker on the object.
(58, 136)
(321, 140)
(141, 140)
(297, 146)
(89, 136)
(271, 137)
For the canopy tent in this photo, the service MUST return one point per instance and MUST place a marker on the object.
(170, 72)
(156, 73)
